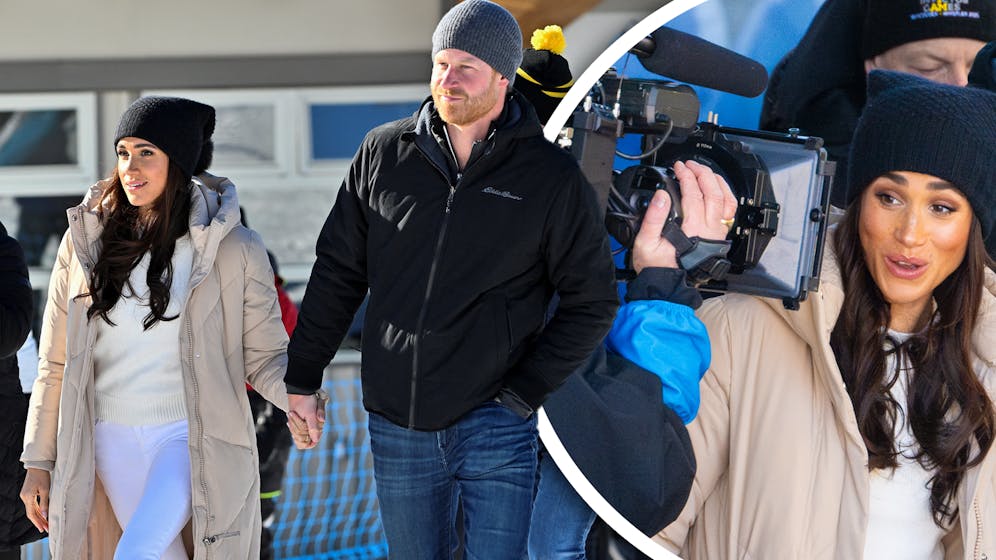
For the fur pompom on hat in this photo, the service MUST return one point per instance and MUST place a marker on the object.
(550, 38)
(180, 127)
(485, 30)
(545, 76)
(913, 124)
(890, 23)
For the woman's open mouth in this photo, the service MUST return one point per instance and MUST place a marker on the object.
(907, 268)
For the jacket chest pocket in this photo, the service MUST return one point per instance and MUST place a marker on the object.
(487, 217)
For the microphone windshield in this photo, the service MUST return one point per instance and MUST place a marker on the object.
(690, 59)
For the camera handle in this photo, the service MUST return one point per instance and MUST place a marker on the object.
(702, 259)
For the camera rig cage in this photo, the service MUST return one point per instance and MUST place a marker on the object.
(781, 181)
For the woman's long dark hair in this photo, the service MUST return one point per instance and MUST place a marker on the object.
(947, 407)
(130, 231)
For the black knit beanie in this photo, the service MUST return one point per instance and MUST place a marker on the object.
(545, 76)
(890, 23)
(179, 127)
(913, 124)
(485, 30)
(983, 73)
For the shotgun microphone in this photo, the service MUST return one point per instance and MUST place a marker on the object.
(687, 58)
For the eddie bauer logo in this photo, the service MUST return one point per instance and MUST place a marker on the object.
(949, 8)
(503, 194)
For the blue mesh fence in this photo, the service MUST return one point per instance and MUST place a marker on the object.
(329, 506)
(328, 509)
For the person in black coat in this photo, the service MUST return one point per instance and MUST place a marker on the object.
(819, 86)
(983, 73)
(15, 327)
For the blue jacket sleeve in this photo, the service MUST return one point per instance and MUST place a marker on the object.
(663, 337)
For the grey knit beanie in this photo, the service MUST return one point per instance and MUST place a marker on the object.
(485, 30)
(179, 127)
(913, 124)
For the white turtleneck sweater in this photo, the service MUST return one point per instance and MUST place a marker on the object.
(138, 375)
(900, 524)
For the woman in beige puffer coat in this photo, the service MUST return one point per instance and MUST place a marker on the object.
(227, 329)
(862, 425)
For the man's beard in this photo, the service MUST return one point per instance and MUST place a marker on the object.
(470, 109)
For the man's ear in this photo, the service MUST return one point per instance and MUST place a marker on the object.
(870, 65)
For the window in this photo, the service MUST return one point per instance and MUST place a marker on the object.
(47, 144)
(253, 130)
(336, 120)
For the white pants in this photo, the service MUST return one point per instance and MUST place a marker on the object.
(146, 474)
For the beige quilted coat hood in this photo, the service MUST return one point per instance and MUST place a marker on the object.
(781, 464)
(231, 333)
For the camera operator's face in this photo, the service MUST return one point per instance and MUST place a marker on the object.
(914, 231)
(465, 89)
(945, 60)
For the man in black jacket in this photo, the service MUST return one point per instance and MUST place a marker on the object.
(462, 222)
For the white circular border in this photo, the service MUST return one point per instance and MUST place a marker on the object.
(554, 447)
(616, 50)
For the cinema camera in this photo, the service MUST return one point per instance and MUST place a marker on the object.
(781, 182)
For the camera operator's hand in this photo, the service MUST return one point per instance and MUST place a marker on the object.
(706, 202)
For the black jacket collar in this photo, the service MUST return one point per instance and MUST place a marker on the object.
(517, 120)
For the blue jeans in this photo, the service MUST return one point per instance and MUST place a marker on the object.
(561, 519)
(487, 460)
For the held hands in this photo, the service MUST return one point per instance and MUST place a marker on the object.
(708, 207)
(306, 418)
(34, 494)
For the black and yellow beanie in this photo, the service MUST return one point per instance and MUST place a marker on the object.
(180, 127)
(545, 76)
(913, 124)
(890, 23)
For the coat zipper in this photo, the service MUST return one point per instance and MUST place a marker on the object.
(73, 449)
(195, 388)
(978, 530)
(199, 438)
(420, 322)
(88, 356)
(425, 305)
(215, 538)
(199, 422)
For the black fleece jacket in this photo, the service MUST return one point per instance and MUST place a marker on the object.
(460, 268)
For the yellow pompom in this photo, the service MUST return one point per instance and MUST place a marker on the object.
(550, 38)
